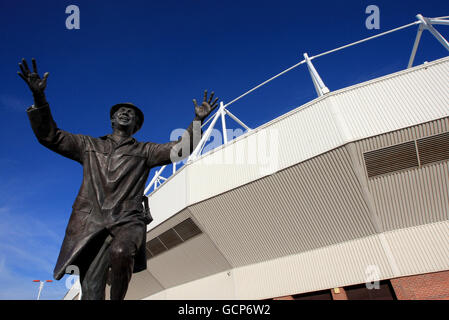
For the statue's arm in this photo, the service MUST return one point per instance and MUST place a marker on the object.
(42, 123)
(162, 154)
(174, 151)
(49, 135)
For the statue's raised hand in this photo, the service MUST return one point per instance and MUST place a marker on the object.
(206, 107)
(32, 79)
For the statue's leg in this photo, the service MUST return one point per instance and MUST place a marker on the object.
(93, 281)
(127, 240)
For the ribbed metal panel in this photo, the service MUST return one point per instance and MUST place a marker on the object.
(397, 101)
(325, 268)
(161, 295)
(219, 286)
(416, 250)
(339, 265)
(421, 249)
(413, 197)
(193, 259)
(213, 167)
(314, 204)
(307, 133)
(142, 285)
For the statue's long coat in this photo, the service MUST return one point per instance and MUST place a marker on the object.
(114, 177)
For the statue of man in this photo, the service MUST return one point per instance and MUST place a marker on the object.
(106, 233)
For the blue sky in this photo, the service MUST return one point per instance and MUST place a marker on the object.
(160, 55)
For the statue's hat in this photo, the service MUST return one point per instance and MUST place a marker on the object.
(139, 113)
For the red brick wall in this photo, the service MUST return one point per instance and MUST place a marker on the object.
(430, 286)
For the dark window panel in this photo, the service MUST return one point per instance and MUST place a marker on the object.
(434, 148)
(155, 246)
(170, 239)
(187, 229)
(391, 159)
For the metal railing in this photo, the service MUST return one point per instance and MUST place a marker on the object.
(321, 89)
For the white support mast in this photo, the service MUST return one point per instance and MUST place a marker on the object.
(427, 24)
(320, 87)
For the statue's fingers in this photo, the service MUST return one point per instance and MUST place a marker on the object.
(215, 101)
(22, 76)
(211, 96)
(24, 71)
(45, 77)
(34, 65)
(195, 103)
(205, 95)
(25, 64)
(214, 107)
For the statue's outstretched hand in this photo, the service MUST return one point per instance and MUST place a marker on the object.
(32, 79)
(206, 107)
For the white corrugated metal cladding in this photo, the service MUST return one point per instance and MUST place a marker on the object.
(289, 208)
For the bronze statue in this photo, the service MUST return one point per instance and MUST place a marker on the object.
(106, 233)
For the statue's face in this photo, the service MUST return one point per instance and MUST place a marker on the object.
(125, 117)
